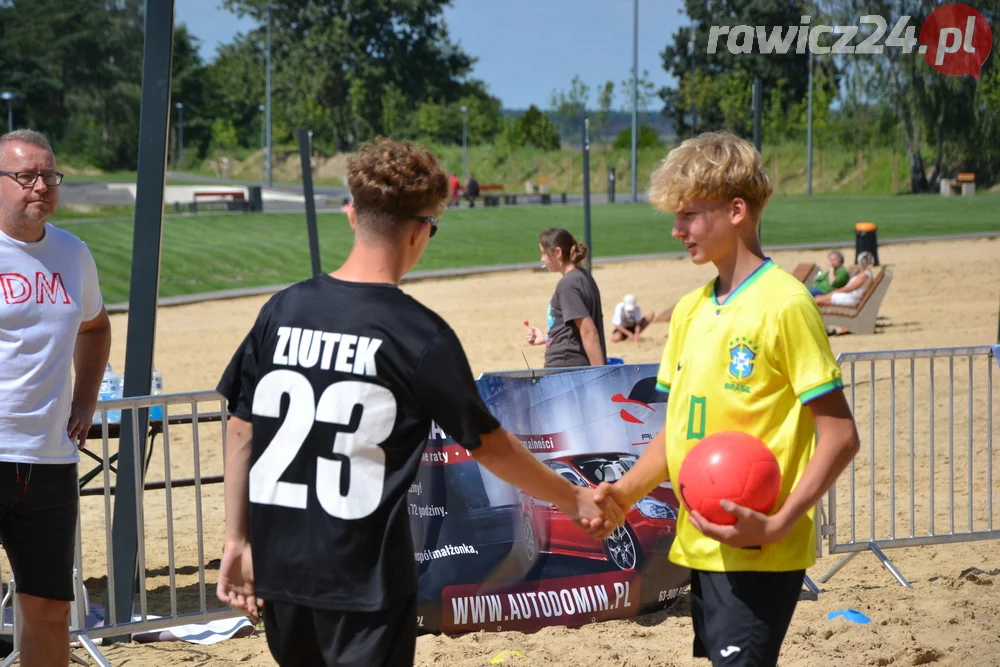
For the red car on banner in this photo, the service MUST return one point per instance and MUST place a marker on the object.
(649, 525)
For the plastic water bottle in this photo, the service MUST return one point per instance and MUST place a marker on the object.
(155, 389)
(111, 388)
(156, 412)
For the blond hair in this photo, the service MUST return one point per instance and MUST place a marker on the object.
(716, 166)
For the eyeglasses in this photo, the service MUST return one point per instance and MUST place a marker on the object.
(430, 220)
(29, 178)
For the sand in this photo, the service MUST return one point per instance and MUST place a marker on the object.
(943, 294)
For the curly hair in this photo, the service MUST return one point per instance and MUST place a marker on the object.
(717, 166)
(390, 181)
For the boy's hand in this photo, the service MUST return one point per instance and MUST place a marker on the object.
(752, 529)
(598, 519)
(235, 586)
(609, 493)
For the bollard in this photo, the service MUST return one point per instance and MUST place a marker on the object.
(256, 203)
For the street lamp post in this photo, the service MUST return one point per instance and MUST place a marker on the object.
(267, 85)
(635, 100)
(263, 144)
(691, 75)
(11, 97)
(180, 135)
(465, 142)
(809, 131)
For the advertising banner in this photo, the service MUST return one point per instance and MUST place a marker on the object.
(493, 558)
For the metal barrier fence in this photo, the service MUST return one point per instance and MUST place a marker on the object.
(924, 474)
(157, 604)
(907, 417)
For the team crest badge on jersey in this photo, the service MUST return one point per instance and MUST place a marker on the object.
(742, 353)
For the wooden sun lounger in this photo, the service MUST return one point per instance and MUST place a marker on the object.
(806, 272)
(860, 319)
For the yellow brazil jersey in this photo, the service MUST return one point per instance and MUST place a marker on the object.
(750, 364)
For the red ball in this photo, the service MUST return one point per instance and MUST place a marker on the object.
(733, 466)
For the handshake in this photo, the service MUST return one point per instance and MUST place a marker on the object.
(599, 511)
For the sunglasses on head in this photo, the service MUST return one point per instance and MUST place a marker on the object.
(430, 220)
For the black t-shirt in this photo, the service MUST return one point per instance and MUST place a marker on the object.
(576, 296)
(341, 382)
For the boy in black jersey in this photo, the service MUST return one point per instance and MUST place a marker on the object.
(332, 394)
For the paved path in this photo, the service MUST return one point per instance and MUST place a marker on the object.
(328, 197)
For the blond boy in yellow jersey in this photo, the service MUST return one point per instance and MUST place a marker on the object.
(748, 352)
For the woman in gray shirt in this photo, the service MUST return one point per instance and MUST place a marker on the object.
(575, 320)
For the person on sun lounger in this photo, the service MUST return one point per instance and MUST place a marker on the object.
(851, 293)
(836, 277)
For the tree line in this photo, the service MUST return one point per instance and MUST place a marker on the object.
(859, 101)
(349, 70)
(355, 69)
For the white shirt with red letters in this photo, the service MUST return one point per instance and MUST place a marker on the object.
(47, 289)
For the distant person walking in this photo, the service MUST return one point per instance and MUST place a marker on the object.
(455, 187)
(472, 190)
(575, 320)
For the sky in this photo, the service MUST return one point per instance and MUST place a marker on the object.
(524, 51)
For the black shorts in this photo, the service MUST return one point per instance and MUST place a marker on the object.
(39, 505)
(633, 326)
(740, 618)
(305, 637)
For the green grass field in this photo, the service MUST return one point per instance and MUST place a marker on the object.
(206, 253)
(66, 213)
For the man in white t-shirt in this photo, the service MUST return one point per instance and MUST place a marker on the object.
(52, 322)
(628, 320)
